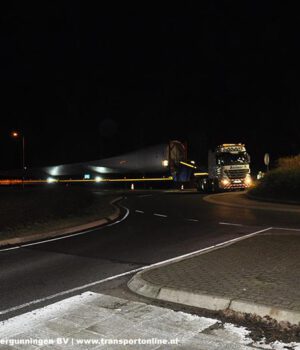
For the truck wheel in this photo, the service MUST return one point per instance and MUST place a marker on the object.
(202, 186)
(209, 186)
(214, 186)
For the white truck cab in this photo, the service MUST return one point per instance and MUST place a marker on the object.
(228, 169)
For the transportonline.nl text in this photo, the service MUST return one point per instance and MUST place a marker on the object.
(89, 341)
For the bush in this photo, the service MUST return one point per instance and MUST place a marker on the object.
(282, 183)
(289, 162)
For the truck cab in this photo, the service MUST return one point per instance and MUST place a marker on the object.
(228, 169)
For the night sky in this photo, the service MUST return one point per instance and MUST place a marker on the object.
(87, 82)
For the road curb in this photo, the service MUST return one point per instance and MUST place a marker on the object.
(261, 310)
(143, 287)
(217, 199)
(147, 289)
(140, 286)
(67, 231)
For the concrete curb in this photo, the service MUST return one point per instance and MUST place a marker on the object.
(260, 205)
(138, 285)
(64, 232)
(264, 310)
(206, 301)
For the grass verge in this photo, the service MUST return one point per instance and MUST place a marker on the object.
(39, 210)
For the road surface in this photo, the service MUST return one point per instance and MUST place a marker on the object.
(156, 227)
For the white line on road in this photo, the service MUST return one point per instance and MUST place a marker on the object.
(37, 301)
(193, 220)
(160, 215)
(145, 195)
(274, 227)
(287, 229)
(140, 211)
(180, 257)
(229, 224)
(69, 236)
(127, 212)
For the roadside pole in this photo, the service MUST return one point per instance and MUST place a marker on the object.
(23, 160)
(267, 161)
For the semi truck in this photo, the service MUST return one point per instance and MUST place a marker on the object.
(228, 169)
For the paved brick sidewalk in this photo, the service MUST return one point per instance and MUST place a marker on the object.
(97, 321)
(260, 271)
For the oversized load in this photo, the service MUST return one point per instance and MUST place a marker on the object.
(161, 160)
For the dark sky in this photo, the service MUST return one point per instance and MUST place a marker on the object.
(84, 82)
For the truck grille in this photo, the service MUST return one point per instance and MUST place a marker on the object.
(236, 173)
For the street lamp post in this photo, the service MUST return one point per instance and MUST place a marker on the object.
(16, 134)
(23, 153)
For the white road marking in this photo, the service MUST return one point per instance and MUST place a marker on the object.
(229, 224)
(274, 227)
(160, 215)
(287, 229)
(145, 195)
(85, 286)
(140, 211)
(68, 236)
(37, 301)
(193, 220)
(127, 212)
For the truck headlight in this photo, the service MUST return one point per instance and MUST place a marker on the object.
(225, 181)
(248, 180)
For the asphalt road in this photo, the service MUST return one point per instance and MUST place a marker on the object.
(159, 226)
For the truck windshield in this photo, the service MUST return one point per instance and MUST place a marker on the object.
(231, 159)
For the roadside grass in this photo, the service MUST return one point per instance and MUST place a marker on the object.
(28, 211)
(282, 183)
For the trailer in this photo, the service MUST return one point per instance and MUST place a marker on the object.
(158, 161)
